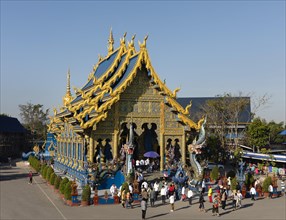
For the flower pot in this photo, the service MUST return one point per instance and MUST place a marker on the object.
(69, 202)
(266, 194)
(84, 203)
(95, 200)
(116, 199)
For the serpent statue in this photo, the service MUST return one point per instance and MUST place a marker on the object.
(194, 149)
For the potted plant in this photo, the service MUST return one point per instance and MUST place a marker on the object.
(265, 186)
(67, 193)
(85, 197)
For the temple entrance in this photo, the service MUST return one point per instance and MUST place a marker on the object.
(145, 139)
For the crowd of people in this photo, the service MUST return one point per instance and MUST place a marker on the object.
(161, 192)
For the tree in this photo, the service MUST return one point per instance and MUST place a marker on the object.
(35, 119)
(274, 130)
(257, 133)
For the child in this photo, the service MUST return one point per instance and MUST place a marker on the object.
(215, 206)
(30, 175)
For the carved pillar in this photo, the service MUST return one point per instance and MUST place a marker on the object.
(162, 131)
(183, 148)
(116, 132)
(91, 148)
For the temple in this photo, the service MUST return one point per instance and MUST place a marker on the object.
(123, 92)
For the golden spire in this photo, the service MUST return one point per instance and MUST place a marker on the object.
(68, 97)
(110, 42)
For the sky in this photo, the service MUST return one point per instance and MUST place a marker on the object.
(207, 48)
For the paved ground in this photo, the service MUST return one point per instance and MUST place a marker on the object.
(20, 200)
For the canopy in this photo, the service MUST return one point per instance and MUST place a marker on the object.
(283, 132)
(151, 154)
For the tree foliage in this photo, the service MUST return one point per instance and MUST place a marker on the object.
(34, 118)
(258, 133)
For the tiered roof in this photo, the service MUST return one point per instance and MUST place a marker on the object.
(107, 81)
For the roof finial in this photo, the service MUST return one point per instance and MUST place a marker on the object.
(68, 97)
(143, 45)
(110, 42)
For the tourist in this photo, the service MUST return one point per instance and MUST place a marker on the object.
(183, 194)
(252, 193)
(143, 208)
(144, 185)
(172, 202)
(152, 197)
(129, 200)
(190, 196)
(210, 194)
(123, 198)
(215, 206)
(113, 190)
(270, 190)
(144, 195)
(239, 199)
(130, 188)
(171, 189)
(156, 189)
(30, 175)
(234, 199)
(163, 194)
(223, 198)
(201, 201)
(203, 186)
(282, 184)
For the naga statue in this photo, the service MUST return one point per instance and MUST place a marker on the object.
(194, 149)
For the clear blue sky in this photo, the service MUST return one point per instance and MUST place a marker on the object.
(205, 47)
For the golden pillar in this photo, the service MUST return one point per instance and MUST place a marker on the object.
(115, 143)
(183, 148)
(91, 148)
(162, 131)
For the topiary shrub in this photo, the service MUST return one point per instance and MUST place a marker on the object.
(42, 169)
(52, 178)
(45, 172)
(86, 192)
(63, 184)
(49, 172)
(231, 174)
(68, 190)
(233, 183)
(58, 182)
(125, 186)
(249, 180)
(266, 184)
(214, 173)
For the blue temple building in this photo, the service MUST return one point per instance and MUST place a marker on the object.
(123, 89)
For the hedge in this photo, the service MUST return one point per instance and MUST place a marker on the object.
(35, 163)
(52, 178)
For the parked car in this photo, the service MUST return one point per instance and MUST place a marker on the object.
(211, 165)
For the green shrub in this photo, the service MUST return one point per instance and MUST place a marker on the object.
(125, 186)
(249, 180)
(52, 178)
(266, 184)
(58, 182)
(35, 163)
(86, 192)
(231, 174)
(49, 172)
(214, 173)
(42, 169)
(45, 172)
(68, 190)
(63, 184)
(233, 183)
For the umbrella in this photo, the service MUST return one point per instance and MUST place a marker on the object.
(151, 154)
(283, 132)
